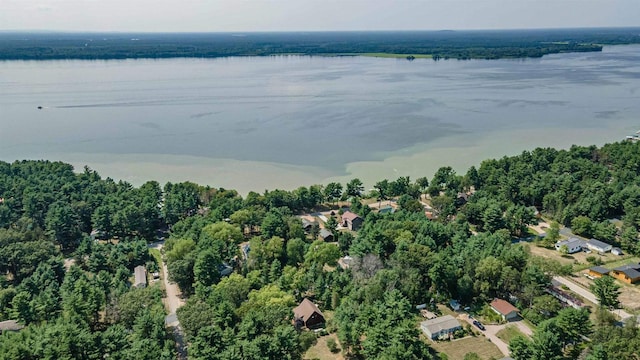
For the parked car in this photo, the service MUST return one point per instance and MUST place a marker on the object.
(478, 325)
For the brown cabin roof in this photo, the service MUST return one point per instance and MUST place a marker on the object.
(305, 310)
(503, 307)
(348, 215)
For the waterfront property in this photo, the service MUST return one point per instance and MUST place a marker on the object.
(440, 327)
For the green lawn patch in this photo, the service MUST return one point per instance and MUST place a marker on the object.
(509, 333)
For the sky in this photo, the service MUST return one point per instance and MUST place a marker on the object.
(312, 15)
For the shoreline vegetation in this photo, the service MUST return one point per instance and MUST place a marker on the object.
(78, 279)
(437, 45)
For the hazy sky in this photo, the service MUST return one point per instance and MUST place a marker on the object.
(285, 15)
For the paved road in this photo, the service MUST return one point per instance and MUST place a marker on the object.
(589, 295)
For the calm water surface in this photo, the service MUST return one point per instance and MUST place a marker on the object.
(256, 123)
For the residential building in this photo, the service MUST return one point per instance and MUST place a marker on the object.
(454, 305)
(326, 235)
(307, 225)
(140, 276)
(504, 309)
(598, 271)
(573, 245)
(627, 273)
(307, 315)
(599, 246)
(351, 221)
(440, 327)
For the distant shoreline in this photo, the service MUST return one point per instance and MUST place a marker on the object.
(462, 45)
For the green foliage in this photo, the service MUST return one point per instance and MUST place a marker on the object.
(606, 291)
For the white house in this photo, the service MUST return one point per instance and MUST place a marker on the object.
(599, 246)
(573, 245)
(440, 327)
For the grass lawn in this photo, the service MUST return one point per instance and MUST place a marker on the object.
(508, 333)
(457, 349)
(322, 352)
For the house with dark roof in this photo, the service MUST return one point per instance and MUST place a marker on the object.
(351, 221)
(573, 245)
(504, 309)
(598, 271)
(307, 315)
(326, 235)
(10, 325)
(307, 225)
(599, 246)
(440, 327)
(627, 273)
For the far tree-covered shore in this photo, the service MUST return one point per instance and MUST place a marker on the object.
(407, 44)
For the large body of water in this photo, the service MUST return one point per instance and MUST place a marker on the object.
(281, 122)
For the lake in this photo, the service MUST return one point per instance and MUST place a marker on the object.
(259, 123)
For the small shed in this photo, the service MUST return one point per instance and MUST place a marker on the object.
(617, 251)
(351, 221)
(440, 327)
(598, 271)
(307, 315)
(326, 235)
(307, 225)
(504, 309)
(454, 305)
(140, 276)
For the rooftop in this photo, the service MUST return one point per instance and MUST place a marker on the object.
(306, 309)
(348, 215)
(441, 323)
(600, 270)
(503, 306)
(571, 241)
(324, 233)
(632, 271)
(598, 243)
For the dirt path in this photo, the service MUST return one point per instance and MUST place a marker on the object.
(490, 333)
(172, 302)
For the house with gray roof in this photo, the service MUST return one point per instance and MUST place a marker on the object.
(140, 276)
(627, 273)
(440, 327)
(326, 235)
(573, 245)
(599, 246)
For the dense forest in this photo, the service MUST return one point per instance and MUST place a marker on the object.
(438, 44)
(69, 243)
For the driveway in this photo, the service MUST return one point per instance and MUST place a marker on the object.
(491, 332)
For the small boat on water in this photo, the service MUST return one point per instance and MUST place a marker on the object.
(633, 138)
(39, 107)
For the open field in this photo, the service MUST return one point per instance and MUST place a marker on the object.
(322, 352)
(457, 349)
(508, 333)
(579, 259)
